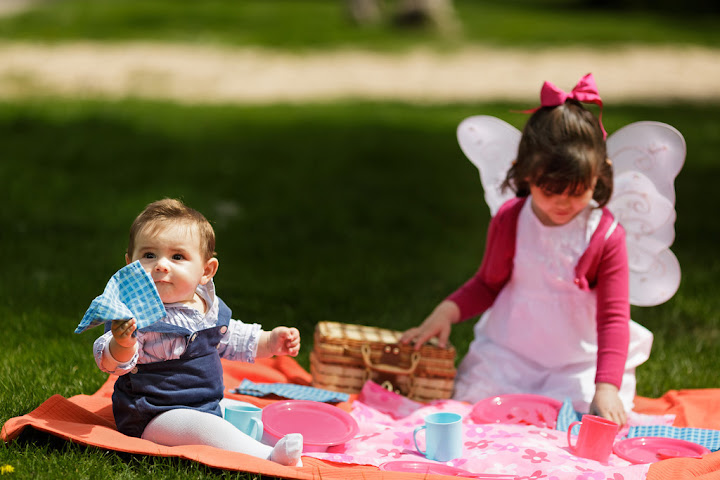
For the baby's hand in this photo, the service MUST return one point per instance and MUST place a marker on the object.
(281, 341)
(607, 403)
(123, 330)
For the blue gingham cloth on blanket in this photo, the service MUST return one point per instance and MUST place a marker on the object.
(290, 390)
(709, 439)
(566, 416)
(130, 293)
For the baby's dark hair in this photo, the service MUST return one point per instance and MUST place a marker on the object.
(167, 210)
(562, 149)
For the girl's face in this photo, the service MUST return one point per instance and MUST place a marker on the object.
(558, 209)
(172, 257)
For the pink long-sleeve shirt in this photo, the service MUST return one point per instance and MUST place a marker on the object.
(603, 267)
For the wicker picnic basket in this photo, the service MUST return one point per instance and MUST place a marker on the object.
(345, 356)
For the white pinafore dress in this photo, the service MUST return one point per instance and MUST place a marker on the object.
(540, 335)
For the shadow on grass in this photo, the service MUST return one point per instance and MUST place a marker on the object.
(360, 213)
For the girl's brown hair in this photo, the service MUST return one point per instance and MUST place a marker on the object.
(171, 210)
(562, 149)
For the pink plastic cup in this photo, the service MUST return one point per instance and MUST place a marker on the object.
(596, 438)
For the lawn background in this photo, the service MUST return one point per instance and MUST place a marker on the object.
(323, 24)
(356, 212)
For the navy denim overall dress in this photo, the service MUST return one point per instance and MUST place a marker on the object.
(195, 380)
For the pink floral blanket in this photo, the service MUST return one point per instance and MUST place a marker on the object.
(387, 422)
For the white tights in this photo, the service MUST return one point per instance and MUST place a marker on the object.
(185, 426)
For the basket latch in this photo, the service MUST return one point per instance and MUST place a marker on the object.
(388, 370)
(390, 352)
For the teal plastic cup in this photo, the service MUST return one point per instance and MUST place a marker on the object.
(443, 436)
(246, 418)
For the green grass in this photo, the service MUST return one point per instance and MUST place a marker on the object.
(322, 24)
(355, 212)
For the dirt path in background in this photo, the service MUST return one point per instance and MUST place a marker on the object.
(11, 7)
(194, 74)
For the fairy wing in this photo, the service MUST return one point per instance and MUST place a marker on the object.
(647, 156)
(491, 145)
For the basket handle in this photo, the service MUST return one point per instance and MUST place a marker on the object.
(391, 369)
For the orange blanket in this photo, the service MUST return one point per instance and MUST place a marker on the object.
(693, 408)
(88, 420)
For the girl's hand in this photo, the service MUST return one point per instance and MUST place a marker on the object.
(279, 341)
(437, 324)
(607, 403)
(122, 331)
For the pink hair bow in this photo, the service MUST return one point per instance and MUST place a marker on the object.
(585, 91)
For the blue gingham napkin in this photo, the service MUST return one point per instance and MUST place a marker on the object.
(290, 390)
(709, 439)
(130, 293)
(566, 416)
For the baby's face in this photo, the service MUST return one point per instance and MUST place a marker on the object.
(171, 254)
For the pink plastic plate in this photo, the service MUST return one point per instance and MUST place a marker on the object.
(420, 467)
(428, 468)
(646, 449)
(321, 425)
(517, 408)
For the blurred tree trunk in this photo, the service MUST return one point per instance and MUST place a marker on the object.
(364, 12)
(439, 14)
(435, 13)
